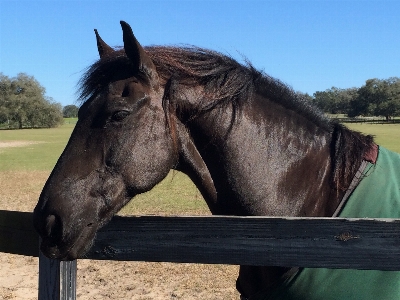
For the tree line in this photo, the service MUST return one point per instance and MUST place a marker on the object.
(23, 104)
(377, 97)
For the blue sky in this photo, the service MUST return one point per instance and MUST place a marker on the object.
(310, 45)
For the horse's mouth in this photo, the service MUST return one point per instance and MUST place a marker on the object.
(67, 251)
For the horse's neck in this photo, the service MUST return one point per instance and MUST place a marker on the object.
(267, 162)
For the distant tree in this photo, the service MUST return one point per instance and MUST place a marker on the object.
(305, 96)
(378, 97)
(70, 111)
(51, 114)
(23, 103)
(5, 85)
(335, 100)
(391, 105)
(323, 100)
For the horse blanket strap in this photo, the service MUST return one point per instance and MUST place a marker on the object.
(370, 157)
(376, 195)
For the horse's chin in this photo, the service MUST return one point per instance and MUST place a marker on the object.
(67, 251)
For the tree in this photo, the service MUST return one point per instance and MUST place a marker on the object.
(23, 103)
(70, 111)
(304, 96)
(378, 97)
(334, 100)
(391, 105)
(5, 85)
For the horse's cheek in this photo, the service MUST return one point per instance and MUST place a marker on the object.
(147, 164)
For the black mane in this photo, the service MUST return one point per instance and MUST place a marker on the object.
(225, 80)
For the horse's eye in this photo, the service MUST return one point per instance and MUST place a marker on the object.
(125, 92)
(119, 115)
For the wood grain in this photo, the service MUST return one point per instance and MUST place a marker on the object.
(303, 242)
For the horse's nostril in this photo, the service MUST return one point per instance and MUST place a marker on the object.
(50, 225)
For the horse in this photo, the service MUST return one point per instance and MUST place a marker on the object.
(251, 145)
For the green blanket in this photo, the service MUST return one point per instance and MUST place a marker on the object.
(376, 196)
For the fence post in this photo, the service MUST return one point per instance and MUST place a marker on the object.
(57, 279)
(68, 280)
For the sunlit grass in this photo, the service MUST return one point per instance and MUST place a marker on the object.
(175, 195)
(42, 154)
(23, 171)
(387, 135)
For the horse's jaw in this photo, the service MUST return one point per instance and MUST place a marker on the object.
(192, 164)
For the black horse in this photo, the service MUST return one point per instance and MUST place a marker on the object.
(250, 144)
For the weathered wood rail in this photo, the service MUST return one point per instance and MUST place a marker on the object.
(302, 242)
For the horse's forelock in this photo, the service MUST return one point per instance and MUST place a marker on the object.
(114, 66)
(98, 75)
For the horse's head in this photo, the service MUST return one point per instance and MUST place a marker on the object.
(120, 147)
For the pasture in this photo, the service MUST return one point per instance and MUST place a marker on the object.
(387, 135)
(26, 159)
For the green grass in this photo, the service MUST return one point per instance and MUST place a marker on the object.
(387, 135)
(176, 194)
(43, 152)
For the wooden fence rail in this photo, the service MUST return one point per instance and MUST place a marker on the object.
(302, 242)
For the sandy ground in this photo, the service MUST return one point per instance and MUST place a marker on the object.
(106, 279)
(124, 280)
(11, 144)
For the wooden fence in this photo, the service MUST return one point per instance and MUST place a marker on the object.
(370, 120)
(302, 242)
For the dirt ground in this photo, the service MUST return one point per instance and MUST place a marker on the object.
(12, 144)
(124, 280)
(106, 279)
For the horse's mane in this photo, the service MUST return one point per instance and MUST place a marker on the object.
(224, 79)
(228, 82)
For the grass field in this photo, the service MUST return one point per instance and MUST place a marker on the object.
(43, 147)
(175, 195)
(387, 135)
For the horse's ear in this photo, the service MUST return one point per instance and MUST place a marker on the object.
(134, 51)
(103, 48)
